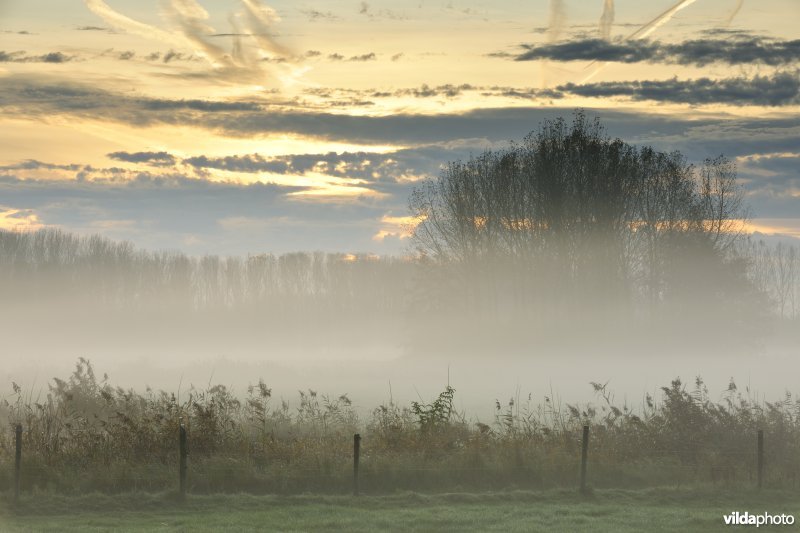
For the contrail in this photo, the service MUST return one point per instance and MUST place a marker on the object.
(558, 19)
(607, 20)
(555, 27)
(645, 31)
(733, 14)
(261, 18)
(236, 48)
(120, 21)
(660, 20)
(191, 17)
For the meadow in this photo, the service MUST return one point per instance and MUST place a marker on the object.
(662, 509)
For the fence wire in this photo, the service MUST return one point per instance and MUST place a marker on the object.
(496, 466)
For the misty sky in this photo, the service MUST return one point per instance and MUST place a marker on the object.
(239, 126)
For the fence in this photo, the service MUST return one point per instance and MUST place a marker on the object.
(755, 458)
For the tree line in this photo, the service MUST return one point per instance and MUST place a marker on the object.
(51, 265)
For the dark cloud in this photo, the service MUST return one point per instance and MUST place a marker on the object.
(778, 90)
(246, 163)
(34, 96)
(172, 55)
(275, 59)
(781, 164)
(364, 57)
(425, 91)
(33, 164)
(21, 57)
(365, 9)
(699, 52)
(504, 55)
(771, 173)
(314, 15)
(401, 165)
(156, 158)
(91, 28)
(371, 56)
(197, 105)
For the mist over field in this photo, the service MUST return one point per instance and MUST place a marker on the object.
(534, 269)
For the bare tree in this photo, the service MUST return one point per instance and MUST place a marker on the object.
(573, 218)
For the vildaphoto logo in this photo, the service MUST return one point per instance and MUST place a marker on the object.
(764, 519)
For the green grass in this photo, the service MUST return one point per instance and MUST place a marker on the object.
(662, 509)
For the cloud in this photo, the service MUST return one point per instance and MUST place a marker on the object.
(776, 172)
(425, 91)
(778, 90)
(38, 96)
(404, 166)
(156, 158)
(396, 227)
(315, 15)
(371, 56)
(83, 100)
(21, 57)
(364, 57)
(19, 219)
(172, 55)
(91, 28)
(699, 52)
(33, 164)
(365, 9)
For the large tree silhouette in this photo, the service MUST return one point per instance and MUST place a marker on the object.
(578, 222)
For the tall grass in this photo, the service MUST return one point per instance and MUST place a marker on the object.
(86, 435)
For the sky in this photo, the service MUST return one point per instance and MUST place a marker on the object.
(236, 127)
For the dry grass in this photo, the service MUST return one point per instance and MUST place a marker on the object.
(87, 436)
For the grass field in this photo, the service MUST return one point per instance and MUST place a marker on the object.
(662, 509)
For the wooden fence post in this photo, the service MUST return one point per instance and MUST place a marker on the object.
(17, 461)
(356, 456)
(183, 453)
(760, 458)
(584, 457)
